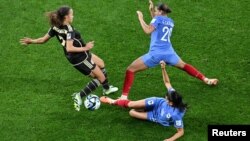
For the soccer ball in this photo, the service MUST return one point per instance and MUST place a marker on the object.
(92, 102)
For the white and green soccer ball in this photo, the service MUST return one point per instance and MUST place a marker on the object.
(92, 102)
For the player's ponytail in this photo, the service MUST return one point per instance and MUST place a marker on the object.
(57, 17)
(176, 98)
(164, 8)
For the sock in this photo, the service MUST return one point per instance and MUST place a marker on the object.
(129, 78)
(90, 87)
(193, 72)
(122, 103)
(105, 84)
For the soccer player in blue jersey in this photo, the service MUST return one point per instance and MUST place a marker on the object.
(161, 48)
(165, 111)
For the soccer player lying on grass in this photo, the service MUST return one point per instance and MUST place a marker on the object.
(161, 48)
(76, 51)
(165, 111)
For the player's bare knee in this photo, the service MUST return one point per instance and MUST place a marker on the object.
(181, 64)
(131, 68)
(132, 112)
(92, 75)
(131, 104)
(102, 64)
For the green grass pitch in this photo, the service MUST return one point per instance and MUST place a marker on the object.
(36, 82)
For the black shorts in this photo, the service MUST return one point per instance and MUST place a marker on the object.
(85, 66)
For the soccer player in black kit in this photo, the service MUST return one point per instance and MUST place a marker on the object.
(76, 51)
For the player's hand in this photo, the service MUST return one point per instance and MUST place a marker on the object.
(151, 5)
(139, 13)
(26, 41)
(163, 64)
(90, 45)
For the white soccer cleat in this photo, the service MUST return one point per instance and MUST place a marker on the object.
(77, 101)
(211, 81)
(111, 89)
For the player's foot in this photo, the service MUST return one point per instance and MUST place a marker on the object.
(107, 100)
(211, 81)
(77, 101)
(111, 89)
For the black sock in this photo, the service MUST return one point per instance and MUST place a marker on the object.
(105, 84)
(91, 86)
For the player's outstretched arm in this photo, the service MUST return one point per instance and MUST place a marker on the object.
(151, 8)
(41, 40)
(148, 29)
(178, 134)
(165, 75)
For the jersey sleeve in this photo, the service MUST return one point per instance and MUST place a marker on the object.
(155, 22)
(51, 32)
(71, 33)
(178, 122)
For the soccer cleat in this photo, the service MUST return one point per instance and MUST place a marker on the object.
(107, 100)
(111, 89)
(211, 81)
(77, 101)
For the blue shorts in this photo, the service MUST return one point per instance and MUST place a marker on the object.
(151, 106)
(152, 60)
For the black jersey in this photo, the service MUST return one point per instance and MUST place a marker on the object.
(67, 32)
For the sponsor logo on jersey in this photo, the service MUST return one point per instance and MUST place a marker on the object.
(150, 102)
(68, 36)
(168, 115)
(178, 122)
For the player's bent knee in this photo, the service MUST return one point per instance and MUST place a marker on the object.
(132, 112)
(180, 64)
(131, 69)
(102, 64)
(131, 104)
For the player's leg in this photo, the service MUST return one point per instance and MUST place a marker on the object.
(148, 104)
(91, 86)
(138, 114)
(133, 68)
(174, 60)
(100, 63)
(99, 75)
(87, 67)
(195, 73)
(140, 64)
(139, 104)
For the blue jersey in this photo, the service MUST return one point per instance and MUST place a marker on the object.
(160, 37)
(161, 112)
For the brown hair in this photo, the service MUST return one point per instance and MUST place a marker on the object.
(163, 7)
(56, 18)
